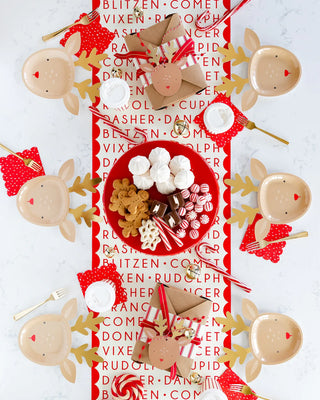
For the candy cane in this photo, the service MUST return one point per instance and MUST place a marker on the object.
(227, 15)
(200, 250)
(163, 236)
(139, 131)
(170, 231)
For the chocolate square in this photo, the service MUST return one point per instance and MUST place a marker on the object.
(176, 201)
(158, 208)
(172, 219)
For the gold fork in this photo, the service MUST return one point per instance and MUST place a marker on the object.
(261, 244)
(251, 125)
(28, 162)
(56, 295)
(245, 389)
(85, 20)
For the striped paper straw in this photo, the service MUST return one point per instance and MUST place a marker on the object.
(201, 249)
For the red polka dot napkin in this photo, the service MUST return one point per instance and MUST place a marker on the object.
(106, 272)
(221, 138)
(15, 173)
(273, 251)
(92, 36)
(230, 378)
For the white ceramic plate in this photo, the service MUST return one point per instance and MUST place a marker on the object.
(218, 118)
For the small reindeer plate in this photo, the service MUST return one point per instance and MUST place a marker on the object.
(288, 190)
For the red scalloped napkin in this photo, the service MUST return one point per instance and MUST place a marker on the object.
(92, 36)
(230, 378)
(15, 173)
(221, 138)
(273, 251)
(108, 272)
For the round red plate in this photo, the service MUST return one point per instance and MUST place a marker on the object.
(202, 172)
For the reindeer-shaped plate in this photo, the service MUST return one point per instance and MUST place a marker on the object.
(273, 339)
(46, 339)
(45, 200)
(282, 198)
(272, 70)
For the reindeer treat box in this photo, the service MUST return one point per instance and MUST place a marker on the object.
(164, 57)
(172, 330)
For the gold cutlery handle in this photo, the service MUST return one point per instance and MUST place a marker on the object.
(260, 397)
(296, 236)
(52, 35)
(10, 151)
(272, 135)
(28, 310)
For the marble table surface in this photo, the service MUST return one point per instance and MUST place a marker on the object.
(32, 264)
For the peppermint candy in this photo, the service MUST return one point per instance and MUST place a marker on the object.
(195, 188)
(191, 215)
(195, 224)
(204, 188)
(181, 233)
(208, 196)
(185, 193)
(194, 197)
(184, 224)
(182, 211)
(198, 208)
(208, 206)
(126, 387)
(201, 200)
(189, 205)
(194, 234)
(204, 219)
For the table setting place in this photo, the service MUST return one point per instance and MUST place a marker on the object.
(155, 196)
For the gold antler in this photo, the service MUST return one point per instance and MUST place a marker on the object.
(178, 329)
(162, 324)
(88, 184)
(241, 216)
(231, 54)
(169, 52)
(230, 323)
(88, 215)
(153, 54)
(90, 323)
(232, 355)
(83, 88)
(89, 355)
(238, 184)
(228, 85)
(92, 60)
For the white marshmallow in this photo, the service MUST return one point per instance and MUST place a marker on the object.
(159, 154)
(139, 165)
(184, 179)
(179, 163)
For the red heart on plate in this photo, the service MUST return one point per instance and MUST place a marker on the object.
(286, 72)
(36, 74)
(31, 201)
(296, 196)
(288, 336)
(33, 338)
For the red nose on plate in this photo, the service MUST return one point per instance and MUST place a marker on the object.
(33, 338)
(31, 201)
(296, 196)
(36, 74)
(161, 359)
(286, 72)
(288, 336)
(168, 87)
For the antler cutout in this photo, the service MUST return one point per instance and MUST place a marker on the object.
(169, 52)
(231, 355)
(229, 85)
(231, 54)
(89, 355)
(154, 56)
(178, 329)
(88, 216)
(90, 323)
(92, 60)
(162, 324)
(87, 183)
(83, 88)
(229, 323)
(241, 216)
(238, 184)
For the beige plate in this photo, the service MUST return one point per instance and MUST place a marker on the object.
(46, 339)
(283, 198)
(275, 345)
(49, 73)
(277, 63)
